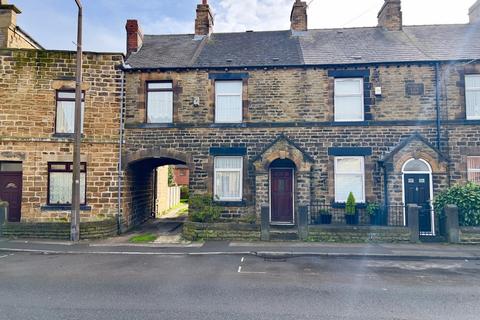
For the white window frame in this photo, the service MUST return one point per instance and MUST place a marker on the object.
(215, 170)
(71, 100)
(360, 95)
(362, 160)
(159, 90)
(217, 95)
(471, 90)
(472, 170)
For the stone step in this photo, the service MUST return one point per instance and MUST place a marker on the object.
(283, 235)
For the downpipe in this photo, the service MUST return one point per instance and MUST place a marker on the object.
(120, 151)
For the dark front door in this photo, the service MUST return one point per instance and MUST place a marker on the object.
(282, 195)
(417, 191)
(11, 192)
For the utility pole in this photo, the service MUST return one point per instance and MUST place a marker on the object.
(75, 216)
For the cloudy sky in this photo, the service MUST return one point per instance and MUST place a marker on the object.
(53, 22)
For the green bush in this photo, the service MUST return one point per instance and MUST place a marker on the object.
(202, 208)
(351, 205)
(184, 192)
(466, 198)
(373, 208)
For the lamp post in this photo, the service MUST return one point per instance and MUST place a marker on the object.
(75, 216)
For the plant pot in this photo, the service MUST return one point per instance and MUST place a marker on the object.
(325, 219)
(351, 219)
(378, 219)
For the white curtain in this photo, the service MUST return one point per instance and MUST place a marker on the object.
(228, 103)
(472, 85)
(228, 175)
(61, 187)
(349, 177)
(66, 116)
(473, 164)
(349, 100)
(160, 107)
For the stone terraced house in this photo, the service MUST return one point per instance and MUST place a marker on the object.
(285, 120)
(36, 126)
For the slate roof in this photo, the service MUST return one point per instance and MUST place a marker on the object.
(313, 47)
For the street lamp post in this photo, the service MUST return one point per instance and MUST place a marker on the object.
(75, 216)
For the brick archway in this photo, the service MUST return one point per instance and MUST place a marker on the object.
(155, 154)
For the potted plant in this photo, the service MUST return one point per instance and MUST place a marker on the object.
(376, 215)
(351, 214)
(325, 216)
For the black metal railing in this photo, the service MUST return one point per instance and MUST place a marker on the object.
(322, 213)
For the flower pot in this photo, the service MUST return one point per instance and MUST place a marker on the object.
(351, 219)
(378, 219)
(325, 219)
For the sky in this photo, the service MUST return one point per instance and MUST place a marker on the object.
(53, 22)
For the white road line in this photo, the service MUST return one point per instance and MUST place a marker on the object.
(243, 259)
(1, 257)
(252, 272)
(239, 269)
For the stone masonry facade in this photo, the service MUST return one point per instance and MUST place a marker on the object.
(29, 80)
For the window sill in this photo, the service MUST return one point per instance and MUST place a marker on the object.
(65, 135)
(241, 203)
(64, 208)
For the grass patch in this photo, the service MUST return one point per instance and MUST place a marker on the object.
(184, 201)
(143, 238)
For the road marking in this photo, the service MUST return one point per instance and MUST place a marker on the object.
(243, 259)
(1, 257)
(239, 269)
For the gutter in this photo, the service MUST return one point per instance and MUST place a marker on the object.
(437, 103)
(120, 151)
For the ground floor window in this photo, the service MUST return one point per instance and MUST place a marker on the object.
(473, 168)
(60, 176)
(228, 178)
(349, 177)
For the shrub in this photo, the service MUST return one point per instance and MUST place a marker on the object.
(350, 207)
(203, 209)
(466, 198)
(250, 218)
(184, 192)
(373, 208)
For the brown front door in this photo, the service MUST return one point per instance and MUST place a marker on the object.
(281, 193)
(11, 192)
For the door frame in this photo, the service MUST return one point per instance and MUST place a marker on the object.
(270, 197)
(430, 178)
(20, 174)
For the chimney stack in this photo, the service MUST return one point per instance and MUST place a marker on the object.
(474, 12)
(204, 20)
(8, 23)
(298, 17)
(134, 36)
(390, 16)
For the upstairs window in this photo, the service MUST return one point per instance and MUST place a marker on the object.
(349, 177)
(65, 118)
(472, 96)
(349, 100)
(159, 102)
(473, 168)
(60, 175)
(228, 178)
(228, 101)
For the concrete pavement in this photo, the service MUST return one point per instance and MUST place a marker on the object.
(263, 249)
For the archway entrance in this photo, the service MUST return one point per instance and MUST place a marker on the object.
(282, 186)
(417, 181)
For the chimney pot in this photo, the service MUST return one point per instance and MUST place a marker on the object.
(298, 17)
(390, 16)
(134, 36)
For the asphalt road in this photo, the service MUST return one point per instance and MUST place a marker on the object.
(39, 286)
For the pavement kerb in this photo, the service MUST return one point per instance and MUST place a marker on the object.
(269, 255)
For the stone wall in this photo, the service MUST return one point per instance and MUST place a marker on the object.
(298, 103)
(221, 231)
(358, 234)
(470, 235)
(28, 83)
